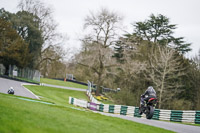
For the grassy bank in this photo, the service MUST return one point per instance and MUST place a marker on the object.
(56, 95)
(23, 116)
(62, 83)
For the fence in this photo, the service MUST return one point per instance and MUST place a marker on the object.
(29, 74)
(2, 69)
(159, 114)
(26, 73)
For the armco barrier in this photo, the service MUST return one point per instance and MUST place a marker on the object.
(117, 109)
(176, 116)
(78, 102)
(197, 117)
(130, 111)
(93, 106)
(156, 114)
(71, 100)
(92, 99)
(159, 114)
(123, 110)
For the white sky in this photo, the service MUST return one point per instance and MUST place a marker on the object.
(70, 14)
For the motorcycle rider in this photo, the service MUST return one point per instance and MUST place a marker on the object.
(149, 93)
(11, 90)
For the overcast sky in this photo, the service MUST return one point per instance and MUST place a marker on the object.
(70, 14)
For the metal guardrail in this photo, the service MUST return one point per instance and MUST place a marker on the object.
(159, 114)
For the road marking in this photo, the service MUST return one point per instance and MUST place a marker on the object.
(35, 101)
(29, 90)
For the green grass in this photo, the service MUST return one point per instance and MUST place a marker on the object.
(19, 116)
(56, 95)
(24, 79)
(62, 83)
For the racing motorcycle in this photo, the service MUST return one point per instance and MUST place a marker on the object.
(149, 107)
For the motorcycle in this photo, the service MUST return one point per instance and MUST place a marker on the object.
(11, 91)
(149, 107)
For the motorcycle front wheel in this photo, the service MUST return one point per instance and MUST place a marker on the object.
(150, 111)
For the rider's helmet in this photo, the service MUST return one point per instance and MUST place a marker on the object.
(151, 90)
(11, 90)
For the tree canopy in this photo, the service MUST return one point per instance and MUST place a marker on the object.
(158, 29)
(27, 26)
(13, 49)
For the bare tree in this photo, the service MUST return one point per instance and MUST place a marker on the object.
(50, 57)
(195, 78)
(98, 59)
(104, 26)
(165, 70)
(97, 55)
(129, 72)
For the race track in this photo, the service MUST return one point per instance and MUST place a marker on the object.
(5, 84)
(176, 127)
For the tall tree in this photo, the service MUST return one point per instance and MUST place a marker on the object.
(46, 24)
(194, 78)
(103, 33)
(27, 26)
(13, 49)
(104, 25)
(52, 65)
(165, 72)
(158, 29)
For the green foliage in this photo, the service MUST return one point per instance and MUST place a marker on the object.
(51, 65)
(159, 30)
(13, 49)
(179, 80)
(27, 26)
(24, 116)
(192, 85)
(119, 51)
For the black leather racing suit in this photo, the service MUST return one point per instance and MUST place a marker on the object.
(149, 93)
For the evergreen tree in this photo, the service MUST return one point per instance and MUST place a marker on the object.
(119, 48)
(13, 49)
(158, 29)
(27, 26)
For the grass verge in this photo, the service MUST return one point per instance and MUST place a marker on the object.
(56, 95)
(24, 116)
(28, 80)
(62, 83)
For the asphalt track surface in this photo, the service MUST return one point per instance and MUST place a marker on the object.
(176, 127)
(5, 84)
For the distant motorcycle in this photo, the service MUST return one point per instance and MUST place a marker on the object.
(11, 91)
(149, 107)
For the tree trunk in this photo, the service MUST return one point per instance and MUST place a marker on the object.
(162, 87)
(98, 89)
(6, 70)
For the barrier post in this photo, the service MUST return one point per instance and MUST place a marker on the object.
(123, 110)
(197, 117)
(136, 112)
(176, 115)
